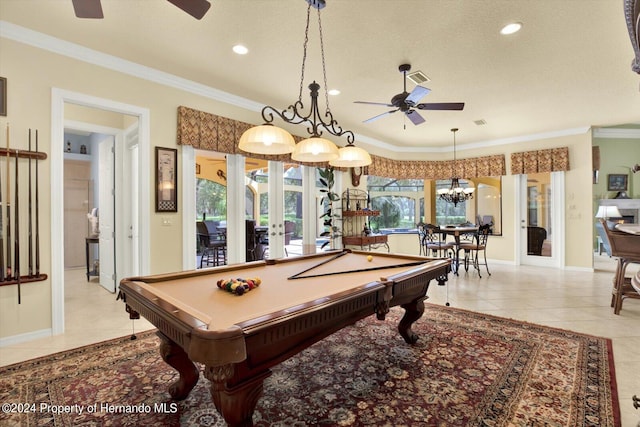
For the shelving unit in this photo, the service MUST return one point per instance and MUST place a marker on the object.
(355, 221)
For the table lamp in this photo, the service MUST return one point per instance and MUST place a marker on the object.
(607, 212)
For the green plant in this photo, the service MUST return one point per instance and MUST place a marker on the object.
(329, 217)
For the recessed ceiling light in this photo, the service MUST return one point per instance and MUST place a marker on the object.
(240, 49)
(514, 27)
(334, 92)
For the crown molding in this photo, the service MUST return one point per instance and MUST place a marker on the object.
(616, 133)
(43, 41)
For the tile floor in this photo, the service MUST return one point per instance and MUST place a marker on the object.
(573, 300)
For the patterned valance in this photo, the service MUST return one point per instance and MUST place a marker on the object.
(550, 160)
(206, 131)
(433, 169)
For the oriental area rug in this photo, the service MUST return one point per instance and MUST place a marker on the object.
(467, 369)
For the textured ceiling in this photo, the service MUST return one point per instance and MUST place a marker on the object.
(569, 67)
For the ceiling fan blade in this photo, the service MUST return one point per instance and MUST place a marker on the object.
(415, 118)
(441, 106)
(379, 116)
(195, 8)
(91, 9)
(373, 103)
(416, 95)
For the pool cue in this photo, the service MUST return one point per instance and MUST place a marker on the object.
(16, 269)
(382, 267)
(30, 216)
(37, 219)
(8, 276)
(338, 255)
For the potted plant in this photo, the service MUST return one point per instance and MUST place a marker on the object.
(329, 217)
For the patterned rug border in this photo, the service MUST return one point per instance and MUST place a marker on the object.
(610, 357)
(442, 310)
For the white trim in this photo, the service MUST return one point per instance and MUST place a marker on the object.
(29, 336)
(616, 133)
(188, 178)
(58, 98)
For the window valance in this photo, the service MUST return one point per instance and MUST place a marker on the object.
(549, 160)
(437, 169)
(206, 131)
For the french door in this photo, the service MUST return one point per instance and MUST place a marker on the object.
(540, 219)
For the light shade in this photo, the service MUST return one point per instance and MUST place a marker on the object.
(608, 212)
(315, 149)
(351, 157)
(266, 139)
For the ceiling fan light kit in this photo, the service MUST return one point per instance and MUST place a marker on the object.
(315, 148)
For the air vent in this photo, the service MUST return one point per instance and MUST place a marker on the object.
(480, 122)
(418, 77)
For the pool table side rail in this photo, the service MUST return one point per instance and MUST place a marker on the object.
(213, 348)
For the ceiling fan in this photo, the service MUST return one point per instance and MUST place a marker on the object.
(92, 9)
(408, 102)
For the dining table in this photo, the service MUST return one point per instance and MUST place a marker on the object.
(458, 231)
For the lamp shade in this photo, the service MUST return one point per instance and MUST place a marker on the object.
(350, 157)
(608, 212)
(266, 139)
(315, 149)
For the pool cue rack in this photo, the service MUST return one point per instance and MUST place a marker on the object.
(9, 205)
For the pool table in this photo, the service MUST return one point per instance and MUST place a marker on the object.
(300, 301)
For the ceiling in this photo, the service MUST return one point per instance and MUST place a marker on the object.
(569, 67)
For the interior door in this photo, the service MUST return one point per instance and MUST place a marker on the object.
(127, 225)
(106, 208)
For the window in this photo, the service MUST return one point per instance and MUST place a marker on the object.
(211, 200)
(400, 202)
(447, 213)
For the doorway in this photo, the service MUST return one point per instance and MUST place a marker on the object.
(540, 219)
(128, 244)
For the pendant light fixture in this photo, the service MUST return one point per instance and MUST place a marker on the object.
(270, 139)
(456, 193)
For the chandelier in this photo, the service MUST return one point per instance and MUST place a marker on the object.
(456, 193)
(273, 140)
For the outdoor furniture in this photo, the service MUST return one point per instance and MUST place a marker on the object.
(535, 239)
(212, 245)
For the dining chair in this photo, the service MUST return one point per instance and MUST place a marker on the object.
(436, 242)
(626, 248)
(474, 247)
(422, 235)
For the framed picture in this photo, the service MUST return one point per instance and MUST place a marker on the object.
(166, 180)
(617, 182)
(3, 96)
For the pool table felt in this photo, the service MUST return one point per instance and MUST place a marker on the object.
(201, 298)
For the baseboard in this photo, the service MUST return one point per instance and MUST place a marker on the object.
(29, 336)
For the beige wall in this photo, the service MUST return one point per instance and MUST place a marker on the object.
(32, 73)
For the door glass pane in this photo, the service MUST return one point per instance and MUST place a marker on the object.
(539, 227)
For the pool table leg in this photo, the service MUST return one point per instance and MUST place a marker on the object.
(235, 403)
(413, 311)
(176, 357)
